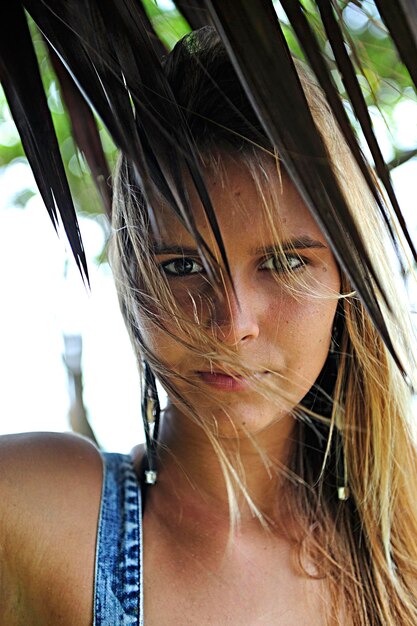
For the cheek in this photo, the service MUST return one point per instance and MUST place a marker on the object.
(303, 335)
(170, 353)
(194, 298)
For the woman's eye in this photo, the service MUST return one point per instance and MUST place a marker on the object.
(182, 267)
(289, 263)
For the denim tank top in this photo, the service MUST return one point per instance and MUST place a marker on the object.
(118, 585)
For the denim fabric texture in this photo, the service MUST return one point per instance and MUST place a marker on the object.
(118, 597)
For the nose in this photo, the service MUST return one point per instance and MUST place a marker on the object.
(235, 318)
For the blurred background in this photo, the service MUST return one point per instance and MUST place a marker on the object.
(65, 358)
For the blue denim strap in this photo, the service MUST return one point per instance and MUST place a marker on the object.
(118, 597)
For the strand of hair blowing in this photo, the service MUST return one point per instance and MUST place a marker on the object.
(382, 466)
(366, 548)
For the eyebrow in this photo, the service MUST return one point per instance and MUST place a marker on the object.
(171, 249)
(296, 244)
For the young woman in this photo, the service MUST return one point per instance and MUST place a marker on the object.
(281, 489)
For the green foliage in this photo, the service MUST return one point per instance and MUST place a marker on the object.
(85, 196)
(385, 83)
(386, 78)
(170, 26)
(168, 23)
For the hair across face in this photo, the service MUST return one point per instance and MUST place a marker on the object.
(275, 315)
(245, 352)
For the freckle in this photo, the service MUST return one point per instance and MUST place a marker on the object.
(237, 193)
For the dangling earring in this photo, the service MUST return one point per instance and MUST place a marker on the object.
(343, 491)
(150, 416)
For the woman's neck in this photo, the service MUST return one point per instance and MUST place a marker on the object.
(191, 478)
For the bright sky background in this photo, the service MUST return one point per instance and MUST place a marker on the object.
(39, 304)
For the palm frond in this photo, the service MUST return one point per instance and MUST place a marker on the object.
(257, 47)
(308, 41)
(107, 57)
(400, 18)
(361, 110)
(84, 130)
(107, 50)
(194, 12)
(22, 84)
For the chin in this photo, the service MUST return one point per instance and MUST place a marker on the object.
(240, 420)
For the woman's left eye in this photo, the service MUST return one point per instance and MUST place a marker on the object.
(289, 263)
(182, 266)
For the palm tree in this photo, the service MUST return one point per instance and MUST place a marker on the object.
(107, 57)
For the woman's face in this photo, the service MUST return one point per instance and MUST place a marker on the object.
(282, 335)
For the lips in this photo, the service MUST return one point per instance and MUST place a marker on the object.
(224, 382)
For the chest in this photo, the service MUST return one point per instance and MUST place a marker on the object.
(253, 584)
(247, 587)
(244, 589)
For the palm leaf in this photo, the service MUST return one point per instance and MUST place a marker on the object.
(113, 55)
(361, 110)
(24, 91)
(196, 15)
(84, 130)
(308, 41)
(107, 49)
(257, 47)
(156, 43)
(400, 17)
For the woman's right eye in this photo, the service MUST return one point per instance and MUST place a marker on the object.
(182, 266)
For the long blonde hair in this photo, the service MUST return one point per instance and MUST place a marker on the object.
(366, 546)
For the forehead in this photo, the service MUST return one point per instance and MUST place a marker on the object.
(252, 203)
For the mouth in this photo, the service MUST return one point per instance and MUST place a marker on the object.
(224, 382)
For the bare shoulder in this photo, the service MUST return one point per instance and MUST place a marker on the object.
(34, 462)
(46, 471)
(50, 485)
(25, 445)
(48, 445)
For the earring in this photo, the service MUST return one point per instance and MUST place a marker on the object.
(151, 418)
(343, 491)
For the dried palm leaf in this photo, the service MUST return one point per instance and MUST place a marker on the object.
(361, 110)
(400, 18)
(113, 56)
(84, 130)
(257, 47)
(107, 49)
(194, 12)
(22, 84)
